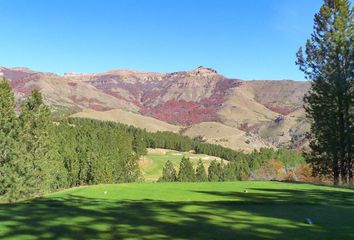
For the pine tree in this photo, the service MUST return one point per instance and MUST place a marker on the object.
(200, 172)
(139, 145)
(8, 122)
(168, 173)
(236, 170)
(328, 64)
(37, 148)
(215, 172)
(186, 171)
(9, 145)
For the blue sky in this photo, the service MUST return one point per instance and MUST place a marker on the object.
(253, 39)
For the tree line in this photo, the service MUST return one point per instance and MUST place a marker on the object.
(178, 142)
(219, 171)
(39, 154)
(240, 164)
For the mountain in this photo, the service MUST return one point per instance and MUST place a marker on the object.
(198, 102)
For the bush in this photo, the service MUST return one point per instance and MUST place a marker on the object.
(271, 170)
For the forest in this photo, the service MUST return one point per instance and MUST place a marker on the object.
(41, 154)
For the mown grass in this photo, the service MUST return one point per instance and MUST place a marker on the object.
(154, 162)
(270, 210)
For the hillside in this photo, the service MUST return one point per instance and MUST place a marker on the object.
(129, 118)
(172, 101)
(226, 136)
(283, 97)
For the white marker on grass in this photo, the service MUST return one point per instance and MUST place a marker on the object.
(308, 221)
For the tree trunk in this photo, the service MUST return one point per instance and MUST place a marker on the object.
(342, 134)
(344, 179)
(335, 170)
(350, 176)
(350, 135)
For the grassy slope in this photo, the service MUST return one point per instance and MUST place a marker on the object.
(295, 121)
(130, 118)
(224, 135)
(151, 165)
(270, 210)
(241, 107)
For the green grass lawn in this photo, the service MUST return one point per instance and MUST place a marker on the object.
(270, 210)
(154, 162)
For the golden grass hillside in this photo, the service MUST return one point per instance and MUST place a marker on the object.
(226, 136)
(121, 116)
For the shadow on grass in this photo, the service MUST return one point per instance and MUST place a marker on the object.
(268, 214)
(290, 196)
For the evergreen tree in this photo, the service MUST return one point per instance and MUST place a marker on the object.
(8, 120)
(215, 172)
(235, 170)
(10, 179)
(168, 173)
(200, 172)
(139, 145)
(39, 151)
(96, 152)
(328, 63)
(221, 167)
(186, 171)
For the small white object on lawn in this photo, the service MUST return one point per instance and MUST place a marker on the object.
(308, 221)
(245, 191)
(105, 192)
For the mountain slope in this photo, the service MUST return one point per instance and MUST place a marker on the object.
(226, 136)
(176, 100)
(61, 92)
(282, 97)
(121, 116)
(241, 107)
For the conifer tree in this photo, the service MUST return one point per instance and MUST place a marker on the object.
(38, 149)
(9, 145)
(200, 172)
(8, 119)
(235, 170)
(139, 145)
(169, 173)
(215, 172)
(328, 62)
(186, 171)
